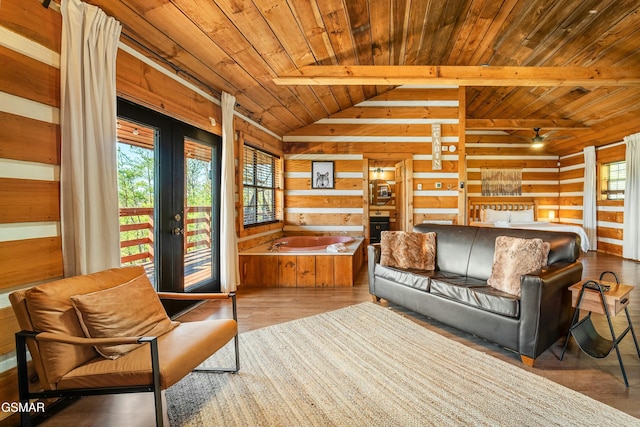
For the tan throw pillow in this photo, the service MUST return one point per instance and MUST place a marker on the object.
(132, 309)
(514, 257)
(404, 249)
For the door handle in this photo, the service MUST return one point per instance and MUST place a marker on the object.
(177, 231)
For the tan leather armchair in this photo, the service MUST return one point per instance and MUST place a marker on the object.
(74, 356)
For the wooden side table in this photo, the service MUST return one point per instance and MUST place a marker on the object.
(608, 298)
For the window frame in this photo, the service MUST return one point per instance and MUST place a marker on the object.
(605, 181)
(273, 189)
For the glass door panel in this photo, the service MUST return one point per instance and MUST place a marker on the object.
(199, 224)
(136, 194)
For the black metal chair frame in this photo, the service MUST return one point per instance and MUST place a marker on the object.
(586, 335)
(25, 394)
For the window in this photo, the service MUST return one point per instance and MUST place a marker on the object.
(260, 178)
(613, 178)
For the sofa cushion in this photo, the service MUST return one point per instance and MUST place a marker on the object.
(476, 293)
(50, 310)
(132, 309)
(563, 247)
(513, 257)
(454, 244)
(404, 249)
(418, 279)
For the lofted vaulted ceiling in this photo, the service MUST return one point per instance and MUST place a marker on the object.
(241, 46)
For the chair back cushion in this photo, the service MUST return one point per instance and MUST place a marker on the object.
(50, 309)
(132, 309)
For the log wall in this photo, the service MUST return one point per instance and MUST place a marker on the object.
(30, 237)
(609, 213)
(30, 242)
(395, 126)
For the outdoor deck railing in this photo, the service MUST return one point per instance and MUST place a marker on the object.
(141, 243)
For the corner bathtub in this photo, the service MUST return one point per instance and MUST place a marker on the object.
(302, 262)
(309, 243)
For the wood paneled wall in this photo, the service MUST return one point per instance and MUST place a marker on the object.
(30, 242)
(394, 126)
(539, 170)
(30, 239)
(609, 213)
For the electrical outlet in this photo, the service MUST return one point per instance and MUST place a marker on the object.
(438, 185)
(419, 186)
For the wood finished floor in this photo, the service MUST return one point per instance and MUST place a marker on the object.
(598, 378)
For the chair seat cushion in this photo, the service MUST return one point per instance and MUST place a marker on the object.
(181, 350)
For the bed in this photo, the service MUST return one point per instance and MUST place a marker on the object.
(517, 213)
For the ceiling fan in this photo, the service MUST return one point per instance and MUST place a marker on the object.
(538, 140)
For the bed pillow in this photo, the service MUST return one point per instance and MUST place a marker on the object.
(403, 249)
(132, 309)
(525, 215)
(492, 215)
(514, 257)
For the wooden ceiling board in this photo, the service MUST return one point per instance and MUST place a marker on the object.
(415, 25)
(240, 46)
(310, 22)
(380, 15)
(193, 55)
(251, 43)
(335, 19)
(399, 14)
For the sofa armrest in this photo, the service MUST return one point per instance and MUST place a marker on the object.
(373, 257)
(545, 306)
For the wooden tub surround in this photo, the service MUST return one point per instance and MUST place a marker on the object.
(263, 268)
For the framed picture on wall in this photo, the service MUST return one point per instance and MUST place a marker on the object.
(322, 175)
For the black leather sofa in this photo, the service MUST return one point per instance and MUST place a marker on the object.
(456, 292)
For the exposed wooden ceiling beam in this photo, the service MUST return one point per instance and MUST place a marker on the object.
(461, 75)
(524, 124)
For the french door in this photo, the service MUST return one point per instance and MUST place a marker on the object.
(168, 183)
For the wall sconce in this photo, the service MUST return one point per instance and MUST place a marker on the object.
(552, 216)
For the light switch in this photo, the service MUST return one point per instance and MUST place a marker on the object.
(419, 186)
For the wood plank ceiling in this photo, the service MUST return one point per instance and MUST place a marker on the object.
(240, 46)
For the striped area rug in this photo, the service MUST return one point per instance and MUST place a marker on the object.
(368, 366)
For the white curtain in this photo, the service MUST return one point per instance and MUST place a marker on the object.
(88, 176)
(589, 216)
(229, 272)
(631, 227)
